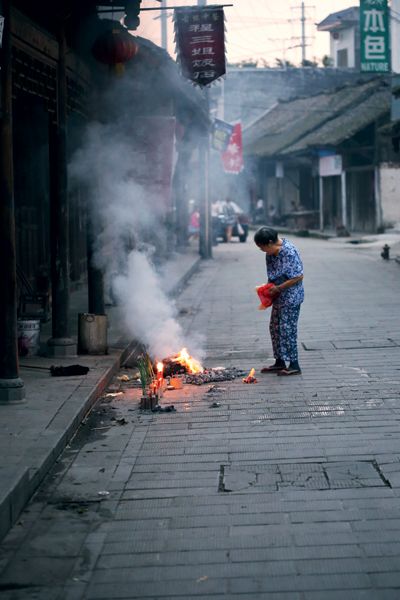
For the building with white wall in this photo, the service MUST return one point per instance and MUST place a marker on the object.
(344, 29)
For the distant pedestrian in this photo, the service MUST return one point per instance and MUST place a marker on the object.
(229, 218)
(285, 271)
(215, 221)
(259, 213)
(194, 224)
(272, 214)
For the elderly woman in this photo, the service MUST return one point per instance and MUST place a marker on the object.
(285, 271)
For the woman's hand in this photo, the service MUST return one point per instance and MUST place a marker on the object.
(274, 291)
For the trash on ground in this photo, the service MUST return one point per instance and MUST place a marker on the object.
(68, 371)
(113, 394)
(103, 493)
(214, 375)
(162, 409)
(119, 421)
(124, 378)
(215, 389)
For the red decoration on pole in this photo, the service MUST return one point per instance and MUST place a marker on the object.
(115, 47)
(200, 43)
(232, 158)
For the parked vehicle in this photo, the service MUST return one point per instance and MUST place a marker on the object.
(241, 226)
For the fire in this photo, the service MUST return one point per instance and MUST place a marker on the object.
(250, 377)
(160, 373)
(184, 359)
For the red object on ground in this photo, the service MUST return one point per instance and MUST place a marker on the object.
(263, 292)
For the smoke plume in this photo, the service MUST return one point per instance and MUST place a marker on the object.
(123, 215)
(148, 313)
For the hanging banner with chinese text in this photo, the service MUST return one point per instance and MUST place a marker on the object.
(232, 158)
(220, 135)
(374, 36)
(200, 43)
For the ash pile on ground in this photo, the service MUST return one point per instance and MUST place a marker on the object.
(214, 375)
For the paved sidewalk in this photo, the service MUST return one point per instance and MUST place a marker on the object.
(286, 490)
(33, 434)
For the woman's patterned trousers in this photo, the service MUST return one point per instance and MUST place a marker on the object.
(283, 330)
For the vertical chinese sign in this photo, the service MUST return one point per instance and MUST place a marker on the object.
(232, 158)
(200, 42)
(374, 36)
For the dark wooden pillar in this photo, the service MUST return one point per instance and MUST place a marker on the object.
(60, 344)
(11, 386)
(95, 276)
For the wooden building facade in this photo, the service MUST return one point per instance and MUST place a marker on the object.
(49, 79)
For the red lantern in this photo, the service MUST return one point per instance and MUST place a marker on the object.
(114, 48)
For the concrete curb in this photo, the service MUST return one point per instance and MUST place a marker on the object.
(312, 233)
(185, 278)
(21, 485)
(13, 498)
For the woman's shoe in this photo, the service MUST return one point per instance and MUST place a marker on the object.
(289, 371)
(276, 368)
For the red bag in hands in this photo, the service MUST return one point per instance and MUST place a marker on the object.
(264, 295)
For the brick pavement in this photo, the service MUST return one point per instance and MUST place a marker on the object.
(290, 489)
(34, 433)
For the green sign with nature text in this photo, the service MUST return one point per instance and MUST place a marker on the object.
(374, 36)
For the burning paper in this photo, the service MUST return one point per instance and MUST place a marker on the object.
(190, 364)
(250, 377)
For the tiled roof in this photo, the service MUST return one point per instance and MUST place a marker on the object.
(320, 120)
(344, 126)
(339, 19)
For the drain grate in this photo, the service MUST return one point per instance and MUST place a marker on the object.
(311, 476)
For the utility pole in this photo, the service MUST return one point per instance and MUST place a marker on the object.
(11, 385)
(164, 23)
(303, 33)
(205, 240)
(303, 22)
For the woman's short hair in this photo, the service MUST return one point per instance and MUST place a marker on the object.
(265, 236)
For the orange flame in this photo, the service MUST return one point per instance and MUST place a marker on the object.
(184, 359)
(250, 377)
(160, 373)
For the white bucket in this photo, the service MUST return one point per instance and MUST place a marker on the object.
(28, 337)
